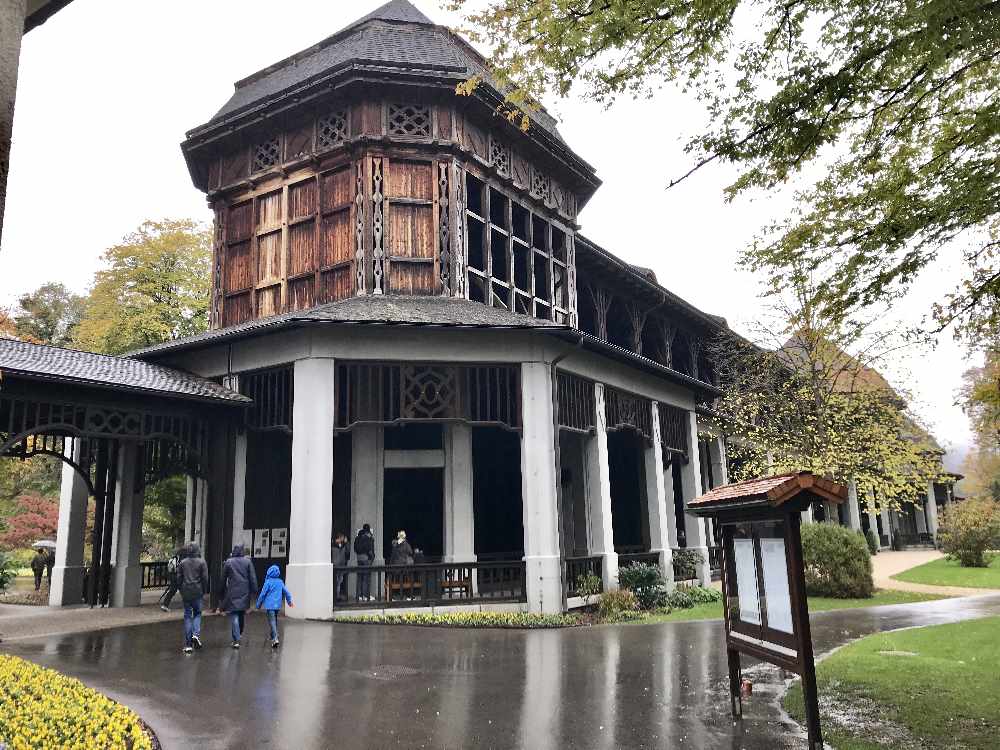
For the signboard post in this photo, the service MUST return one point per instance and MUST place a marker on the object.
(763, 577)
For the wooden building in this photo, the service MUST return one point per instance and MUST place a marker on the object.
(401, 288)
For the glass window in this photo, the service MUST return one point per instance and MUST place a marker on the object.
(746, 581)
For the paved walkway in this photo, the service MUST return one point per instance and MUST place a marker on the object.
(887, 564)
(19, 621)
(357, 686)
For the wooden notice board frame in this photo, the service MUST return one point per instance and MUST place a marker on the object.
(765, 609)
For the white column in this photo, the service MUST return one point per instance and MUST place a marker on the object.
(67, 575)
(239, 490)
(598, 489)
(126, 580)
(656, 501)
(189, 510)
(694, 529)
(932, 516)
(853, 509)
(12, 14)
(807, 515)
(887, 526)
(543, 564)
(367, 475)
(310, 523)
(459, 527)
(717, 452)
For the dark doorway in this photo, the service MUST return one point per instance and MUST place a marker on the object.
(628, 491)
(678, 484)
(572, 493)
(496, 482)
(414, 501)
(268, 488)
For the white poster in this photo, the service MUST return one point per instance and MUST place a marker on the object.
(244, 537)
(279, 542)
(746, 581)
(261, 542)
(779, 602)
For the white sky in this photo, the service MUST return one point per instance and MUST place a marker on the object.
(107, 89)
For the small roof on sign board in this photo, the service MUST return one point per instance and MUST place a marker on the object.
(769, 492)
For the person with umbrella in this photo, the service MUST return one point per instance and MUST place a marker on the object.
(38, 565)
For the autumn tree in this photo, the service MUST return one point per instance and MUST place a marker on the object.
(34, 518)
(894, 105)
(48, 315)
(154, 287)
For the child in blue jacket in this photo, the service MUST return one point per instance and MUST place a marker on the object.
(270, 597)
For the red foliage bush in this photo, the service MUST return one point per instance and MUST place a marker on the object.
(34, 518)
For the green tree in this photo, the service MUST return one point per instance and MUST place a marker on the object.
(895, 104)
(980, 398)
(163, 517)
(154, 287)
(49, 315)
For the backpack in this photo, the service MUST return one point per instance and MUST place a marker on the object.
(172, 565)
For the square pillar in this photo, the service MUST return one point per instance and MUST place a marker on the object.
(853, 508)
(539, 493)
(126, 578)
(658, 512)
(598, 490)
(694, 530)
(67, 575)
(931, 512)
(887, 526)
(189, 510)
(459, 527)
(310, 524)
(239, 489)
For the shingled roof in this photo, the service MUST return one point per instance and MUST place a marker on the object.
(52, 363)
(396, 35)
(768, 491)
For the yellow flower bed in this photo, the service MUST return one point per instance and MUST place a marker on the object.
(40, 708)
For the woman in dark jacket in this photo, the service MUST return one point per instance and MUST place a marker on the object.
(402, 552)
(239, 588)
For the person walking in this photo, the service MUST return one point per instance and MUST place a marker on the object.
(239, 584)
(341, 555)
(38, 566)
(364, 548)
(167, 596)
(271, 594)
(50, 563)
(192, 582)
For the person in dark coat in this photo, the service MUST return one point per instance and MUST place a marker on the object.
(239, 587)
(50, 563)
(364, 548)
(168, 595)
(340, 555)
(192, 582)
(38, 566)
(402, 552)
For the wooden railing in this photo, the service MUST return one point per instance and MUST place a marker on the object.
(154, 575)
(428, 584)
(575, 568)
(645, 558)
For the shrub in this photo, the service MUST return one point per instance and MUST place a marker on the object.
(872, 540)
(703, 594)
(8, 570)
(680, 599)
(521, 620)
(646, 582)
(837, 562)
(42, 708)
(968, 530)
(588, 585)
(686, 562)
(619, 604)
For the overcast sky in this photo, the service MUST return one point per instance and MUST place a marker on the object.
(108, 88)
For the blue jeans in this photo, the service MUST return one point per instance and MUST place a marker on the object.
(192, 620)
(272, 620)
(236, 623)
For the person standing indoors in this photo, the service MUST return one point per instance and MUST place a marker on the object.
(271, 594)
(192, 582)
(239, 585)
(38, 566)
(364, 548)
(341, 555)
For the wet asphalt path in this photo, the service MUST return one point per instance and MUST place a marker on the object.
(355, 686)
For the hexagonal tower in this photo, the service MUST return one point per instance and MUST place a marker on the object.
(354, 168)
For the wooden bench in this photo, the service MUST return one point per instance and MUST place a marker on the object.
(403, 583)
(462, 585)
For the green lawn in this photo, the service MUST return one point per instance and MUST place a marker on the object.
(713, 611)
(945, 572)
(933, 688)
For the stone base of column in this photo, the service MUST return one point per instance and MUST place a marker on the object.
(609, 571)
(666, 566)
(126, 586)
(704, 569)
(543, 584)
(67, 586)
(311, 586)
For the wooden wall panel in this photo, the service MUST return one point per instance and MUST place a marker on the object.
(411, 278)
(239, 268)
(301, 293)
(338, 188)
(302, 248)
(337, 239)
(237, 309)
(269, 257)
(411, 231)
(411, 179)
(240, 223)
(268, 300)
(235, 166)
(337, 284)
(269, 211)
(302, 199)
(299, 141)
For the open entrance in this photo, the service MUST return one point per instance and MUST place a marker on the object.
(628, 494)
(572, 494)
(414, 502)
(496, 482)
(268, 494)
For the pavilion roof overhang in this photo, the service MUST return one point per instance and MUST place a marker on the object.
(793, 491)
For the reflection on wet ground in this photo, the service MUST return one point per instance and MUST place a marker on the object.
(356, 686)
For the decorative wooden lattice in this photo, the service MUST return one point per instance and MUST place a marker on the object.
(458, 180)
(359, 228)
(444, 230)
(272, 393)
(500, 157)
(331, 130)
(540, 185)
(409, 120)
(673, 428)
(266, 154)
(383, 393)
(576, 403)
(628, 411)
(378, 226)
